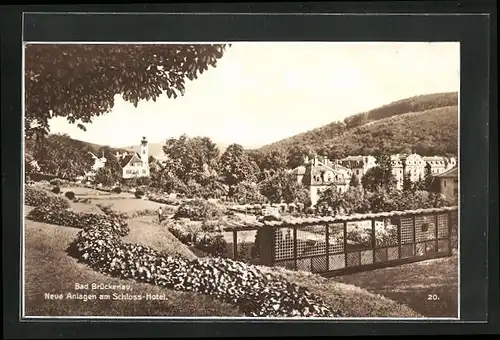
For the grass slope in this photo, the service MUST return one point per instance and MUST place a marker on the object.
(353, 300)
(144, 231)
(412, 284)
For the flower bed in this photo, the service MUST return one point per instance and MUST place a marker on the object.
(108, 210)
(199, 210)
(191, 234)
(41, 198)
(256, 293)
(164, 200)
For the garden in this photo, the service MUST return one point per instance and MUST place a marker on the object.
(199, 225)
(99, 246)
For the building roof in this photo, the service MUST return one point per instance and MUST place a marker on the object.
(357, 158)
(453, 172)
(127, 159)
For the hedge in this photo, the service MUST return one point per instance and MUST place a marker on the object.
(78, 220)
(41, 198)
(256, 293)
(198, 210)
(164, 200)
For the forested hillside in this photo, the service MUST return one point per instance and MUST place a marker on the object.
(426, 124)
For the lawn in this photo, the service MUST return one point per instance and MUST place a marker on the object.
(130, 205)
(144, 231)
(352, 300)
(48, 269)
(411, 284)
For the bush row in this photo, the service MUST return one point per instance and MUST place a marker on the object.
(108, 210)
(79, 220)
(164, 200)
(199, 210)
(40, 198)
(256, 293)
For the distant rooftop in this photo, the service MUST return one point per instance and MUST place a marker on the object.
(450, 173)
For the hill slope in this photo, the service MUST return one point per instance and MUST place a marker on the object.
(425, 124)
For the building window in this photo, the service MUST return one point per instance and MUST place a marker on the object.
(455, 192)
(444, 183)
(144, 171)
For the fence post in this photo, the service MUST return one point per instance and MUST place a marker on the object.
(436, 243)
(374, 242)
(398, 225)
(295, 247)
(327, 244)
(450, 234)
(414, 236)
(267, 245)
(345, 244)
(235, 244)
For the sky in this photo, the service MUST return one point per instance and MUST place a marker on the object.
(260, 93)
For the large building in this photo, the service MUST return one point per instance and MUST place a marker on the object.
(412, 164)
(359, 165)
(440, 164)
(319, 173)
(448, 183)
(135, 164)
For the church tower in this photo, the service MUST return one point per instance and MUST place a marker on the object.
(144, 150)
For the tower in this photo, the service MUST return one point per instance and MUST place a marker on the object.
(144, 150)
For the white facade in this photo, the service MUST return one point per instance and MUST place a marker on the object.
(359, 165)
(136, 164)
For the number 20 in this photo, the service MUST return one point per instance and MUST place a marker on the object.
(432, 297)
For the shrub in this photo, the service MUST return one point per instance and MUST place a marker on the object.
(70, 195)
(117, 190)
(199, 210)
(38, 197)
(85, 200)
(56, 182)
(192, 234)
(211, 225)
(56, 190)
(139, 193)
(164, 200)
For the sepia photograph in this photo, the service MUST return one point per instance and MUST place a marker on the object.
(240, 180)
